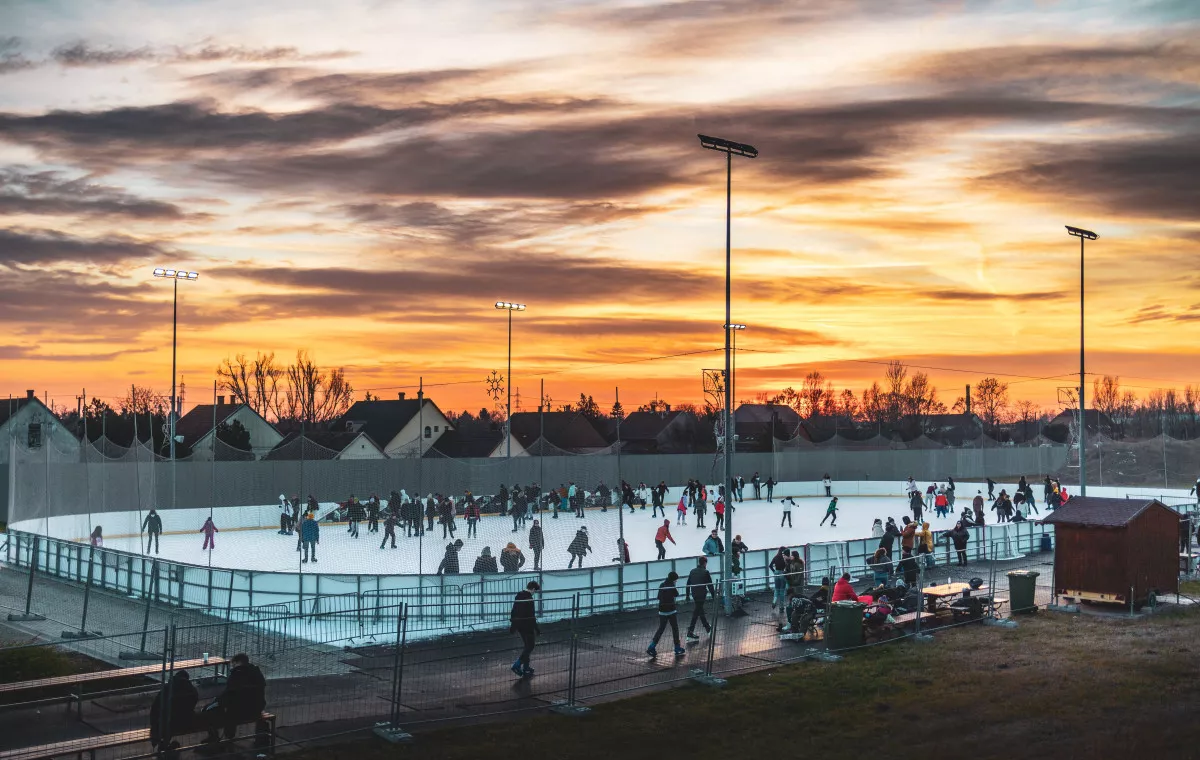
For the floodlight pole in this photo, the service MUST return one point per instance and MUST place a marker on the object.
(510, 308)
(1083, 235)
(174, 343)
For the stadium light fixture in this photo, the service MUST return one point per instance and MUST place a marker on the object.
(176, 275)
(1083, 235)
(730, 149)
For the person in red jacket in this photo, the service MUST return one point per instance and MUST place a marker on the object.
(664, 534)
(843, 591)
(719, 510)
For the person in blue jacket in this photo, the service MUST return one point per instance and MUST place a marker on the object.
(310, 536)
(712, 544)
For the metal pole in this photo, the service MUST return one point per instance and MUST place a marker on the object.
(620, 518)
(1082, 388)
(508, 414)
(541, 446)
(727, 557)
(420, 464)
(174, 334)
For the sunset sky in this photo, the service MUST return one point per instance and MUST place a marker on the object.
(364, 179)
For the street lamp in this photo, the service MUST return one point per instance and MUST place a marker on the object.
(176, 275)
(510, 308)
(730, 149)
(1083, 235)
(732, 387)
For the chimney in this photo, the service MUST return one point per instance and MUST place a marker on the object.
(29, 395)
(968, 400)
(220, 401)
(401, 395)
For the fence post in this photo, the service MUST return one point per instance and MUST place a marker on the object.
(569, 707)
(142, 654)
(391, 730)
(918, 635)
(993, 576)
(33, 560)
(83, 632)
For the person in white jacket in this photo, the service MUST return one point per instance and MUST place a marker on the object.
(285, 516)
(828, 483)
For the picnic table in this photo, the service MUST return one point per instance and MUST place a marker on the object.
(938, 597)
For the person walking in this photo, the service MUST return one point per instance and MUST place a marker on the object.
(699, 588)
(778, 568)
(754, 480)
(449, 563)
(828, 485)
(389, 529)
(770, 488)
(579, 547)
(310, 536)
(152, 525)
(663, 535)
(511, 558)
(210, 531)
(523, 622)
(473, 515)
(668, 613)
(787, 511)
(831, 511)
(537, 542)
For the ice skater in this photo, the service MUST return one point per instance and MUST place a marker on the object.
(209, 530)
(447, 518)
(770, 488)
(719, 511)
(472, 518)
(285, 515)
(699, 588)
(916, 505)
(681, 510)
(355, 513)
(537, 542)
(579, 547)
(389, 529)
(310, 536)
(523, 621)
(701, 506)
(787, 511)
(757, 483)
(658, 499)
(663, 535)
(831, 511)
(152, 525)
(828, 485)
(668, 613)
(373, 514)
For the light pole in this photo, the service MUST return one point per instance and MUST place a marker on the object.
(730, 149)
(1082, 235)
(733, 375)
(510, 308)
(176, 275)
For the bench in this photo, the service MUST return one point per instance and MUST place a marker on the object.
(91, 744)
(997, 603)
(80, 679)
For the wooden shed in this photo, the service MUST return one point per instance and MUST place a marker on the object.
(1106, 548)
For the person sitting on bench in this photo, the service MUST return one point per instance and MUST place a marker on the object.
(243, 700)
(181, 705)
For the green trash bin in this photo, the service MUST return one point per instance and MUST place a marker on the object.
(844, 628)
(1021, 587)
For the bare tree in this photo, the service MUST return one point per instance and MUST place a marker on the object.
(1027, 412)
(144, 400)
(1106, 396)
(312, 395)
(253, 382)
(894, 382)
(991, 400)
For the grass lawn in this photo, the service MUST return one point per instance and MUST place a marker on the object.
(1062, 686)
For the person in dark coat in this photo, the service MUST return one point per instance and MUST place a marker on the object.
(917, 506)
(537, 542)
(890, 534)
(959, 536)
(511, 558)
(485, 562)
(770, 488)
(243, 700)
(182, 700)
(373, 514)
(578, 547)
(389, 530)
(431, 513)
(446, 517)
(153, 527)
(449, 563)
(523, 621)
(668, 613)
(699, 587)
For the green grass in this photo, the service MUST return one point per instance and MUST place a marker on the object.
(1057, 686)
(29, 663)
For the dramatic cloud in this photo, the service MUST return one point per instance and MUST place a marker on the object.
(81, 54)
(11, 57)
(369, 87)
(30, 247)
(50, 193)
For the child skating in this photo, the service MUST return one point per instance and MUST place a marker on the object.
(831, 512)
(209, 530)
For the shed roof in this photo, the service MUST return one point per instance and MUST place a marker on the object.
(1098, 512)
(199, 421)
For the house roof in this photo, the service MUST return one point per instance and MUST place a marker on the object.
(459, 444)
(935, 421)
(1098, 512)
(315, 445)
(199, 421)
(381, 419)
(646, 426)
(8, 409)
(566, 430)
(1094, 417)
(764, 412)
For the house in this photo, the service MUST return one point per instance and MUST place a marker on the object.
(953, 429)
(755, 425)
(664, 433)
(402, 427)
(326, 445)
(1059, 428)
(28, 425)
(198, 431)
(1107, 549)
(560, 432)
(465, 444)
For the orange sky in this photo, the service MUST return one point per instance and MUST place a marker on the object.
(365, 183)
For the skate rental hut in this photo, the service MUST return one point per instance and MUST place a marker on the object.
(1115, 550)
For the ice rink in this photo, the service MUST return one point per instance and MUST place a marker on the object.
(757, 521)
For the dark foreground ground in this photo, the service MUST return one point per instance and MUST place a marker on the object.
(1059, 686)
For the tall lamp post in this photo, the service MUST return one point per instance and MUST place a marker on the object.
(176, 275)
(730, 149)
(1083, 235)
(733, 375)
(510, 308)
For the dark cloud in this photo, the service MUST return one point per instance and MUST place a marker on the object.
(1152, 178)
(36, 248)
(377, 88)
(31, 353)
(51, 193)
(84, 54)
(1161, 313)
(635, 326)
(11, 57)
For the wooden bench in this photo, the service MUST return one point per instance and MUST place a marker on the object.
(912, 617)
(92, 744)
(997, 603)
(80, 679)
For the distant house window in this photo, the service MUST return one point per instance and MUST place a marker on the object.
(428, 432)
(35, 435)
(435, 427)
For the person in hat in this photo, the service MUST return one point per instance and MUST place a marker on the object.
(449, 563)
(579, 547)
(181, 698)
(511, 559)
(485, 562)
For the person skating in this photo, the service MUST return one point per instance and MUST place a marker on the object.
(373, 514)
(741, 488)
(523, 621)
(701, 505)
(719, 511)
(911, 487)
(663, 535)
(210, 531)
(991, 486)
(152, 525)
(449, 563)
(310, 536)
(622, 557)
(668, 613)
(681, 510)
(353, 515)
(951, 486)
(285, 515)
(537, 542)
(941, 504)
(1002, 507)
(446, 517)
(877, 528)
(485, 562)
(831, 511)
(828, 485)
(472, 515)
(502, 498)
(579, 547)
(511, 558)
(770, 488)
(712, 545)
(787, 511)
(1029, 500)
(659, 499)
(1194, 490)
(916, 505)
(757, 483)
(699, 588)
(574, 499)
(389, 529)
(431, 513)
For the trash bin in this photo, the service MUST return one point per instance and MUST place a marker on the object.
(1046, 543)
(1021, 586)
(844, 628)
